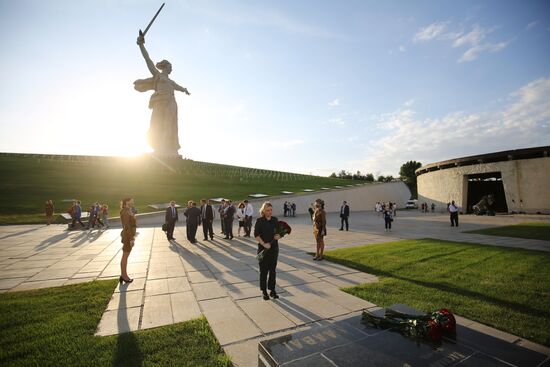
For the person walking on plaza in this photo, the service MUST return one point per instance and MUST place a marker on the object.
(344, 215)
(264, 232)
(433, 208)
(91, 217)
(207, 218)
(49, 212)
(98, 215)
(170, 218)
(229, 215)
(128, 236)
(387, 214)
(105, 215)
(453, 210)
(248, 214)
(76, 214)
(240, 218)
(319, 228)
(192, 221)
(293, 208)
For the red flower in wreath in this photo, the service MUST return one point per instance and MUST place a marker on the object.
(446, 320)
(433, 331)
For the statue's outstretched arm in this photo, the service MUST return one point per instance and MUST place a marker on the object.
(148, 61)
(180, 88)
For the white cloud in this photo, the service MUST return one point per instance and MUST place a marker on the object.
(430, 32)
(338, 121)
(334, 103)
(402, 48)
(474, 40)
(522, 122)
(532, 25)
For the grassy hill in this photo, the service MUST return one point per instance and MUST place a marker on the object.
(28, 180)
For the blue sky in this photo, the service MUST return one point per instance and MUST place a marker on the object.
(303, 86)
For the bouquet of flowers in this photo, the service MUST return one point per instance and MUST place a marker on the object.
(430, 326)
(281, 229)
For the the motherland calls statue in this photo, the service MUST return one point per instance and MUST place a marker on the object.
(163, 131)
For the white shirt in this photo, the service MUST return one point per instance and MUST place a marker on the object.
(240, 214)
(453, 208)
(248, 210)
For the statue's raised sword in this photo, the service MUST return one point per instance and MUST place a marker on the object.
(142, 34)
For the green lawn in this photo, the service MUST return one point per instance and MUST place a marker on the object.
(27, 182)
(55, 327)
(534, 230)
(506, 288)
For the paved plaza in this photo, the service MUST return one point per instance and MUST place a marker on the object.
(178, 281)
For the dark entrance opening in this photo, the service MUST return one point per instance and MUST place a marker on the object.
(482, 184)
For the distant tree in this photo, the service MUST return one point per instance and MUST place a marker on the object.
(380, 178)
(388, 178)
(369, 177)
(407, 175)
(333, 175)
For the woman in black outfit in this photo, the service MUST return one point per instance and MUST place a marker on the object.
(265, 233)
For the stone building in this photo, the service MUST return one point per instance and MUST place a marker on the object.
(518, 179)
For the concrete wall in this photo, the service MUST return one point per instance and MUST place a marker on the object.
(359, 198)
(524, 179)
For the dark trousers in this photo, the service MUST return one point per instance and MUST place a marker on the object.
(267, 269)
(454, 219)
(344, 220)
(207, 229)
(247, 225)
(229, 227)
(387, 223)
(77, 220)
(191, 231)
(170, 229)
(222, 221)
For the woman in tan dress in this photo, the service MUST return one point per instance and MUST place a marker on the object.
(319, 228)
(128, 235)
(49, 211)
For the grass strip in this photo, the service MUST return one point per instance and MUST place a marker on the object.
(506, 288)
(530, 230)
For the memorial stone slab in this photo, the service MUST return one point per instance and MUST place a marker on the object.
(349, 342)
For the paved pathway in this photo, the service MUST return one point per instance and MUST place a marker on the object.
(179, 281)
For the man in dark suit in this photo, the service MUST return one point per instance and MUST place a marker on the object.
(344, 214)
(207, 217)
(229, 213)
(193, 215)
(170, 218)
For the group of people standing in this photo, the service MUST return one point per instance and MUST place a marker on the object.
(289, 209)
(205, 215)
(426, 209)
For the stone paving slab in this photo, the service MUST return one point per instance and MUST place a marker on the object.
(119, 321)
(157, 311)
(227, 321)
(184, 306)
(125, 300)
(264, 315)
(210, 290)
